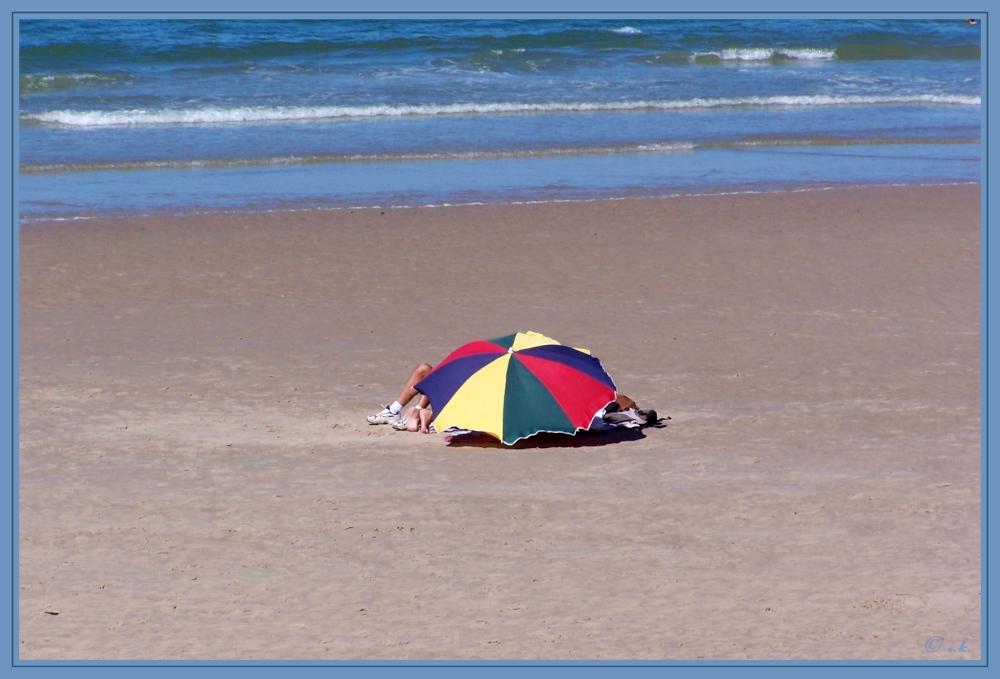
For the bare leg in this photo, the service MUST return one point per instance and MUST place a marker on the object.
(408, 392)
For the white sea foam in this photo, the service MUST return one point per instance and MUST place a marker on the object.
(662, 148)
(808, 54)
(626, 30)
(751, 54)
(267, 114)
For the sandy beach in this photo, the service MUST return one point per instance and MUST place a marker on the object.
(197, 479)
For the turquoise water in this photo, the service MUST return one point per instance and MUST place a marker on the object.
(150, 116)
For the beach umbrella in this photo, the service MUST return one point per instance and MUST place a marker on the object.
(518, 385)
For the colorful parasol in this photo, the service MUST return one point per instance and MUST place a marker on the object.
(516, 386)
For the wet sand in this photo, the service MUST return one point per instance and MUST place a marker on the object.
(197, 479)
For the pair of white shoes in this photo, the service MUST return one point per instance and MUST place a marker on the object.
(386, 416)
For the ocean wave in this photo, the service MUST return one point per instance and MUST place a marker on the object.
(278, 114)
(36, 83)
(844, 52)
(762, 54)
(47, 45)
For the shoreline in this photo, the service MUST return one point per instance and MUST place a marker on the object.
(197, 481)
(556, 201)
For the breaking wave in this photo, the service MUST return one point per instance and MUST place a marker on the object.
(275, 114)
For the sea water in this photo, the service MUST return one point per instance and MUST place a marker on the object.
(121, 116)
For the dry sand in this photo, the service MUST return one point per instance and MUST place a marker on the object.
(197, 479)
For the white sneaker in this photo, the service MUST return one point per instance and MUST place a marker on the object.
(385, 416)
(400, 423)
